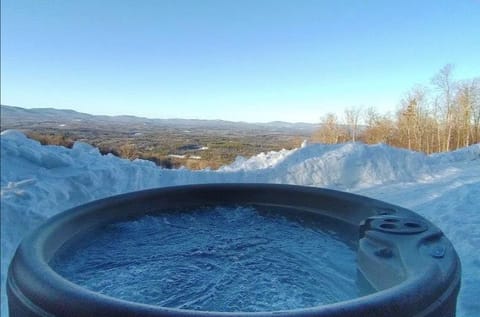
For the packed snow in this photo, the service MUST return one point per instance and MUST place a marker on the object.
(39, 181)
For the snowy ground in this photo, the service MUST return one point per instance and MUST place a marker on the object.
(40, 181)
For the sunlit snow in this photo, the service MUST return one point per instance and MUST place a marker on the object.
(39, 181)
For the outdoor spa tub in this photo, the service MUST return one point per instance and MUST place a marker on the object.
(211, 240)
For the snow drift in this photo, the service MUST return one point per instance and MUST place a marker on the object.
(39, 181)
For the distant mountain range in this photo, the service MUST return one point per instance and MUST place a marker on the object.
(17, 117)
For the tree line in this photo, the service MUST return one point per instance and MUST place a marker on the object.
(441, 116)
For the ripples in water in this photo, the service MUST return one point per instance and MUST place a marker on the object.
(216, 259)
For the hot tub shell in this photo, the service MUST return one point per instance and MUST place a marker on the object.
(408, 262)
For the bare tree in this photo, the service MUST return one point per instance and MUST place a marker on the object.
(413, 120)
(352, 116)
(430, 121)
(468, 99)
(409, 117)
(380, 128)
(330, 131)
(444, 83)
(463, 114)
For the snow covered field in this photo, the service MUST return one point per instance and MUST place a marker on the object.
(40, 181)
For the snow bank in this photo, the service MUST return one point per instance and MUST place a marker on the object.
(342, 166)
(39, 181)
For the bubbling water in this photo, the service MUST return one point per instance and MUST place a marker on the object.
(227, 259)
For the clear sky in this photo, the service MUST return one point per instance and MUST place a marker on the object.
(249, 60)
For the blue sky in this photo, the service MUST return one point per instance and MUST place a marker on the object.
(249, 60)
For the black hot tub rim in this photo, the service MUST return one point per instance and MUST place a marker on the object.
(426, 283)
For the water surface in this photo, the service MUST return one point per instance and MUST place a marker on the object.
(217, 259)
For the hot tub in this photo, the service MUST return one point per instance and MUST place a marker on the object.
(405, 265)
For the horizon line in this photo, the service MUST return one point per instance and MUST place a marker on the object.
(157, 118)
